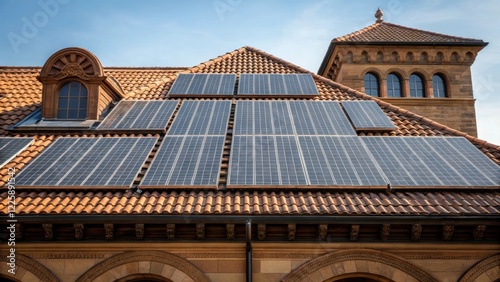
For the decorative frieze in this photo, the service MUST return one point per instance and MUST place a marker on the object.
(79, 228)
(354, 232)
(109, 228)
(78, 255)
(230, 231)
(47, 229)
(291, 231)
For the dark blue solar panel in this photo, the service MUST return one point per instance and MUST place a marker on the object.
(88, 162)
(139, 115)
(277, 84)
(367, 115)
(10, 147)
(291, 117)
(203, 84)
(266, 160)
(186, 161)
(201, 118)
(339, 160)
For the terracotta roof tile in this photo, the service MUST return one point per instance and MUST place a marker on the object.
(388, 32)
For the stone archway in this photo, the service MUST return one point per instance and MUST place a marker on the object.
(486, 270)
(363, 262)
(155, 263)
(28, 269)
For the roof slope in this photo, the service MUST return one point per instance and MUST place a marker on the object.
(21, 94)
(388, 32)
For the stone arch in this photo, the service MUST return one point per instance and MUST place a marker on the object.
(375, 71)
(469, 57)
(349, 58)
(365, 57)
(379, 57)
(425, 75)
(395, 57)
(410, 57)
(156, 263)
(486, 270)
(399, 72)
(424, 58)
(454, 58)
(28, 269)
(72, 61)
(439, 58)
(364, 261)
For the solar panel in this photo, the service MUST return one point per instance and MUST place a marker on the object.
(367, 115)
(196, 85)
(432, 162)
(291, 118)
(11, 146)
(201, 118)
(186, 161)
(339, 160)
(265, 160)
(277, 85)
(139, 115)
(88, 162)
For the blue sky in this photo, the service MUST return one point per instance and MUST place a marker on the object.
(188, 32)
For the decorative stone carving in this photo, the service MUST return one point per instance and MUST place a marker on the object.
(416, 232)
(171, 231)
(72, 69)
(354, 232)
(78, 231)
(479, 232)
(261, 231)
(385, 232)
(19, 231)
(291, 231)
(448, 232)
(139, 231)
(49, 233)
(29, 265)
(481, 268)
(230, 231)
(200, 231)
(109, 230)
(322, 231)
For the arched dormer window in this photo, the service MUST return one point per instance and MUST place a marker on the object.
(393, 86)
(372, 85)
(72, 101)
(417, 89)
(439, 86)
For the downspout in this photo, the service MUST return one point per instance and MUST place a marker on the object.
(249, 249)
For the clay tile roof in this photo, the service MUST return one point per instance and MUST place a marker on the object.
(388, 32)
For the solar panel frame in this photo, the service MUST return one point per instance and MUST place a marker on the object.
(139, 115)
(203, 85)
(367, 116)
(276, 85)
(10, 147)
(69, 162)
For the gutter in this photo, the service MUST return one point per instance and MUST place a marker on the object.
(249, 250)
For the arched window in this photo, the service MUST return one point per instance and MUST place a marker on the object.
(371, 85)
(416, 86)
(72, 101)
(393, 86)
(439, 86)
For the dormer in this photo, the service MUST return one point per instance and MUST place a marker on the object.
(75, 87)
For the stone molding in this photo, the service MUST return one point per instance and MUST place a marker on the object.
(359, 255)
(115, 261)
(68, 256)
(482, 267)
(32, 266)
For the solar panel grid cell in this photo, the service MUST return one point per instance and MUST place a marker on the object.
(277, 85)
(367, 115)
(203, 85)
(10, 147)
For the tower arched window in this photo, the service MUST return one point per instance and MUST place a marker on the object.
(439, 86)
(416, 86)
(72, 101)
(393, 85)
(372, 85)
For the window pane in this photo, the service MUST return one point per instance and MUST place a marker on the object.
(72, 101)
(74, 89)
(416, 86)
(62, 114)
(438, 86)
(82, 114)
(393, 86)
(371, 85)
(64, 92)
(63, 102)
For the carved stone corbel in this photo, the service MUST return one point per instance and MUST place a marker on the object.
(291, 231)
(322, 231)
(79, 228)
(171, 231)
(200, 231)
(262, 231)
(448, 232)
(416, 232)
(109, 228)
(139, 231)
(478, 232)
(49, 233)
(354, 232)
(230, 231)
(385, 232)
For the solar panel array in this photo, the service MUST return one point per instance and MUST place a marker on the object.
(367, 115)
(139, 115)
(277, 85)
(203, 85)
(432, 162)
(10, 147)
(291, 118)
(88, 162)
(191, 153)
